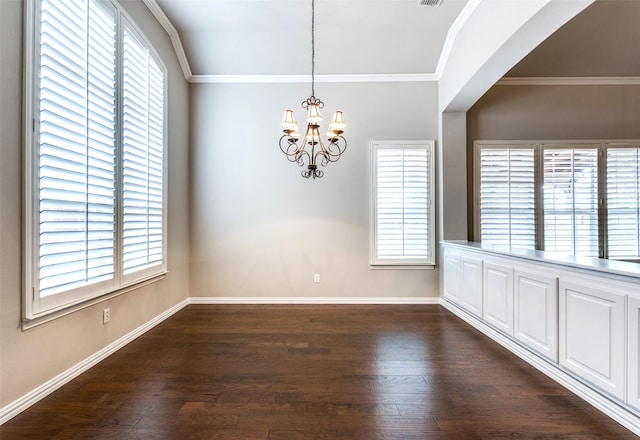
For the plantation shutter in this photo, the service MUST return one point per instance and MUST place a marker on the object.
(403, 199)
(571, 200)
(623, 202)
(76, 156)
(142, 147)
(507, 196)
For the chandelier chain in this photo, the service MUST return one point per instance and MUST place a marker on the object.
(313, 47)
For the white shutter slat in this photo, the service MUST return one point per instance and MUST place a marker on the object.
(402, 204)
(507, 196)
(571, 200)
(73, 223)
(76, 154)
(143, 180)
(623, 202)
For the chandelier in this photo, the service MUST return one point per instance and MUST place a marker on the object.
(311, 149)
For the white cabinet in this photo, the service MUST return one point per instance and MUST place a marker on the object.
(462, 280)
(592, 332)
(580, 317)
(498, 295)
(451, 275)
(470, 288)
(633, 352)
(536, 312)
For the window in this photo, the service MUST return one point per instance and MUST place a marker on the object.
(95, 155)
(402, 231)
(623, 201)
(572, 197)
(570, 194)
(506, 194)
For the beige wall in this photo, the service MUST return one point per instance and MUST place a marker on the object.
(30, 358)
(261, 230)
(243, 223)
(544, 112)
(556, 112)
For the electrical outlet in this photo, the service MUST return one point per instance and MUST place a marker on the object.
(316, 278)
(106, 316)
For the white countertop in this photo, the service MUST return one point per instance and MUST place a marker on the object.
(595, 264)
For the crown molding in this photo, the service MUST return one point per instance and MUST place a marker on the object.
(288, 79)
(164, 21)
(570, 81)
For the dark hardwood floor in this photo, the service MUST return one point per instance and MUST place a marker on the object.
(312, 372)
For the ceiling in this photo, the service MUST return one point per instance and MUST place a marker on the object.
(273, 37)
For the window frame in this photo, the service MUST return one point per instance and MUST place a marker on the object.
(37, 308)
(515, 145)
(539, 146)
(403, 262)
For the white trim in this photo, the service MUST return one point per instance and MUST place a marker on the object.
(291, 79)
(311, 300)
(626, 418)
(427, 262)
(164, 21)
(55, 314)
(30, 68)
(31, 398)
(170, 29)
(570, 81)
(36, 308)
(183, 60)
(460, 20)
(39, 393)
(610, 408)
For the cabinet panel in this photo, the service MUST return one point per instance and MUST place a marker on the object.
(633, 353)
(592, 333)
(536, 312)
(451, 275)
(471, 284)
(498, 296)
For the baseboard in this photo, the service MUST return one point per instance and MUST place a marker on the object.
(310, 300)
(24, 402)
(42, 391)
(611, 408)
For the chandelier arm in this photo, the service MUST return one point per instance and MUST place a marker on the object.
(293, 152)
(324, 153)
(301, 153)
(337, 146)
(291, 146)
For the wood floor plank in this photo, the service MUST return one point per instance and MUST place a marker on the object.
(290, 372)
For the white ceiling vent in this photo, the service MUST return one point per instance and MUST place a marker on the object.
(430, 2)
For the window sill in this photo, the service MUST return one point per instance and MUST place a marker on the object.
(51, 316)
(402, 266)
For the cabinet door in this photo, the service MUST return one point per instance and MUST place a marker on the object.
(471, 284)
(633, 352)
(451, 275)
(498, 295)
(592, 333)
(536, 312)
